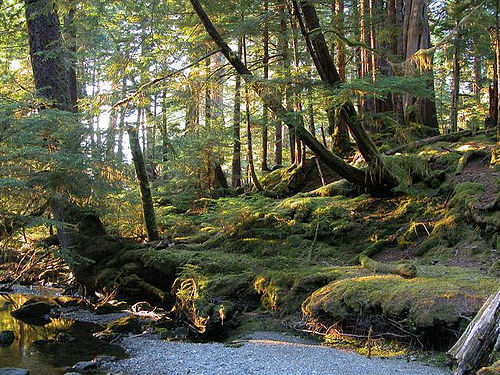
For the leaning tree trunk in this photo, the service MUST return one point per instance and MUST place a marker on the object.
(376, 184)
(379, 173)
(50, 73)
(479, 338)
(142, 177)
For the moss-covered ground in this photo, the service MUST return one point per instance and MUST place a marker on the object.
(297, 256)
(282, 258)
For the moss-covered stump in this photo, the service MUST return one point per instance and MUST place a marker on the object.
(427, 307)
(287, 181)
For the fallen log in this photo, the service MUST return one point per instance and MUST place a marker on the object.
(462, 163)
(450, 137)
(403, 269)
(478, 339)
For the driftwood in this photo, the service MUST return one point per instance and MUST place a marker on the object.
(478, 339)
(403, 269)
(450, 137)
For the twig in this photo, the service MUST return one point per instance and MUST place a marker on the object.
(314, 243)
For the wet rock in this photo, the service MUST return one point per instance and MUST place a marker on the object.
(33, 312)
(40, 344)
(6, 338)
(100, 359)
(124, 325)
(85, 366)
(64, 337)
(105, 336)
(13, 371)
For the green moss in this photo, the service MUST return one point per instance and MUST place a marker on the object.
(422, 302)
(465, 196)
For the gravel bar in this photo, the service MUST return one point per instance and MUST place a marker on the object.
(262, 353)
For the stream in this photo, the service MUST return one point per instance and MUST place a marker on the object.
(51, 348)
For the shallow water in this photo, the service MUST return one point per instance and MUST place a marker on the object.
(53, 357)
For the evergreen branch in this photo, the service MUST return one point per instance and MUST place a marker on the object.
(159, 79)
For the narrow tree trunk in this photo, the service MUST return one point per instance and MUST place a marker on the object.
(455, 84)
(164, 128)
(492, 119)
(497, 58)
(251, 166)
(142, 178)
(70, 27)
(341, 144)
(236, 162)
(121, 126)
(265, 110)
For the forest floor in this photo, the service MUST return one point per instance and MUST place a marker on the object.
(288, 258)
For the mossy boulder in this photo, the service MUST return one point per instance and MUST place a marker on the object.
(436, 300)
(33, 311)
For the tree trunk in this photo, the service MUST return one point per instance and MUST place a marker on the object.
(455, 84)
(236, 163)
(341, 144)
(69, 24)
(265, 110)
(379, 172)
(497, 58)
(251, 166)
(374, 184)
(478, 339)
(492, 120)
(142, 177)
(416, 36)
(51, 80)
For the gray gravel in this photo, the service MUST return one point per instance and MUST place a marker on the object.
(262, 353)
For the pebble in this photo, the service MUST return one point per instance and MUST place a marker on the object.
(263, 353)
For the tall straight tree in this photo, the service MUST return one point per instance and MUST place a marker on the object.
(265, 63)
(417, 37)
(236, 162)
(50, 73)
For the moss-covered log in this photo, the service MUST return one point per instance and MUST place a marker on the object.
(470, 154)
(403, 269)
(370, 251)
